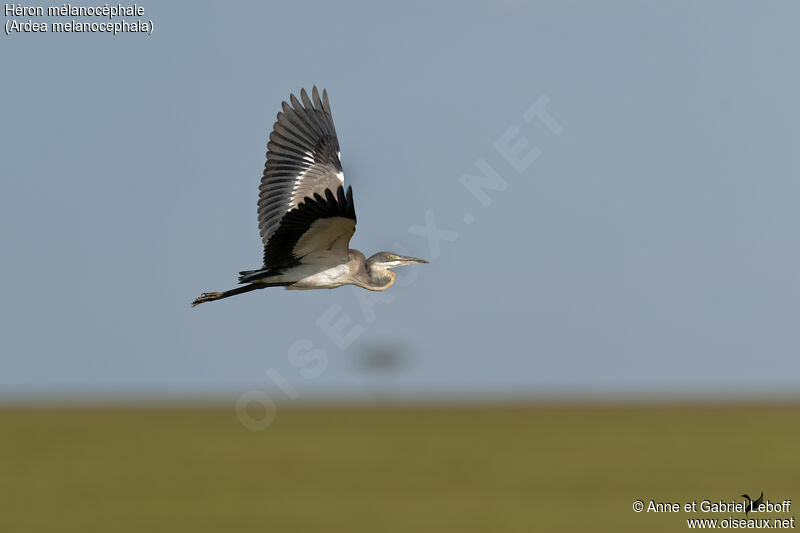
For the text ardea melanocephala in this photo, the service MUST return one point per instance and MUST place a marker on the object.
(305, 216)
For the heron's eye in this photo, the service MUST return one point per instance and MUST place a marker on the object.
(392, 257)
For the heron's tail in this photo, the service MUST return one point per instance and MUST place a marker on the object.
(250, 276)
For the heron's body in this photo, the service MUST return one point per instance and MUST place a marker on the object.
(322, 276)
(305, 216)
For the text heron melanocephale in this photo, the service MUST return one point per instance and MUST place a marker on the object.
(305, 216)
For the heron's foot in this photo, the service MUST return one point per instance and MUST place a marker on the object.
(207, 297)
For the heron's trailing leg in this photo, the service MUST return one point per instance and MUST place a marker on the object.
(211, 296)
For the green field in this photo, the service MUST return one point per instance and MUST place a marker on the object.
(515, 469)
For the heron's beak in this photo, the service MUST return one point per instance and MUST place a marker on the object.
(403, 260)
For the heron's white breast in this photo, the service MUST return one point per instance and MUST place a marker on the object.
(311, 277)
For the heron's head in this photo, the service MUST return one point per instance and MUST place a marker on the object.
(387, 260)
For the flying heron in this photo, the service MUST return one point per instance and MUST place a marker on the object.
(305, 216)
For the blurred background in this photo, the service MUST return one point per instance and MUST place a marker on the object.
(607, 194)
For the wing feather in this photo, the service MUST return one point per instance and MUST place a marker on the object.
(303, 209)
(319, 229)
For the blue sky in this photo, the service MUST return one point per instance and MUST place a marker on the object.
(642, 239)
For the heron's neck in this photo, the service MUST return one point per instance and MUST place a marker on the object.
(380, 279)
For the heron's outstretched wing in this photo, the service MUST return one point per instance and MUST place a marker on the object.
(303, 210)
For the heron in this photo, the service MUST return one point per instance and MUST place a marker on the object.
(305, 216)
(752, 504)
